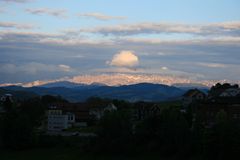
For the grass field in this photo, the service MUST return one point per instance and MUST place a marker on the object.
(68, 154)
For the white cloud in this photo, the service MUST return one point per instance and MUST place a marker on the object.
(33, 68)
(53, 12)
(216, 29)
(164, 68)
(16, 1)
(124, 59)
(64, 67)
(76, 56)
(16, 25)
(222, 40)
(119, 70)
(212, 65)
(100, 16)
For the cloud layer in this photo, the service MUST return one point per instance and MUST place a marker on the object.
(47, 11)
(16, 1)
(226, 28)
(33, 68)
(197, 57)
(100, 16)
(16, 25)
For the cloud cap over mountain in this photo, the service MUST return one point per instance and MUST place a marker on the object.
(124, 59)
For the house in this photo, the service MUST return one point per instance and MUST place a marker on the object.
(220, 98)
(79, 111)
(193, 95)
(209, 110)
(3, 99)
(144, 110)
(98, 112)
(231, 92)
(111, 107)
(6, 97)
(227, 100)
(58, 120)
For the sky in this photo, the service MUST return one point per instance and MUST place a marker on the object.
(53, 39)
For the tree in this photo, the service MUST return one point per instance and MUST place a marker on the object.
(222, 140)
(216, 90)
(19, 125)
(115, 131)
(97, 102)
(47, 99)
(8, 104)
(168, 132)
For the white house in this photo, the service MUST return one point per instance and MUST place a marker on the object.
(98, 112)
(111, 107)
(192, 95)
(57, 120)
(3, 99)
(231, 92)
(6, 96)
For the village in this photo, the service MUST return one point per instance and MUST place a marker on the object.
(63, 118)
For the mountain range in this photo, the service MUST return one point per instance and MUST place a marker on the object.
(117, 79)
(76, 92)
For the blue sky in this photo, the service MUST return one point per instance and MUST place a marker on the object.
(184, 11)
(50, 39)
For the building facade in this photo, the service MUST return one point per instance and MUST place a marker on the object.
(57, 120)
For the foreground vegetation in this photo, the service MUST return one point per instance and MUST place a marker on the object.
(73, 154)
